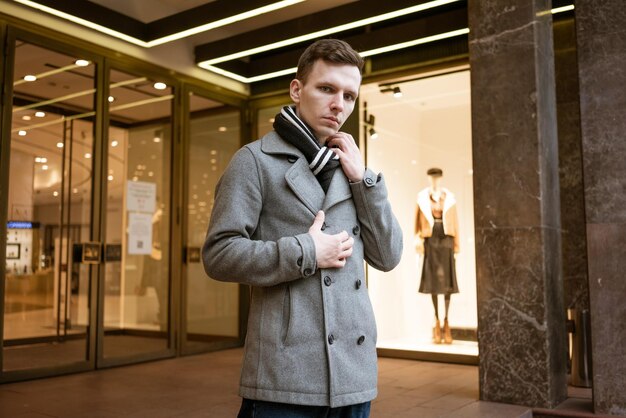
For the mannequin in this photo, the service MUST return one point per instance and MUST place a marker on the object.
(436, 229)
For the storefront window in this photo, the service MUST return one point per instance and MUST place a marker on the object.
(46, 299)
(411, 127)
(212, 311)
(137, 279)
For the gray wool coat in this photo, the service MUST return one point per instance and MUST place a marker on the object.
(311, 332)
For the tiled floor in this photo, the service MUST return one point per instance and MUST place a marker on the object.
(206, 386)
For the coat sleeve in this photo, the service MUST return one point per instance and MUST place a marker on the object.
(230, 254)
(381, 233)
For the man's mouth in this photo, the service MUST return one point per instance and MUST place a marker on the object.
(332, 119)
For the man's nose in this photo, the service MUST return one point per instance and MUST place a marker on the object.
(337, 103)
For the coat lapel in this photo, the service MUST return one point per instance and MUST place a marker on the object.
(299, 176)
(338, 190)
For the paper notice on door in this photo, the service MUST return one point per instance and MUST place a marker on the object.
(141, 196)
(139, 233)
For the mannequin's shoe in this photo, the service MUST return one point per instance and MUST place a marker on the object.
(437, 333)
(447, 334)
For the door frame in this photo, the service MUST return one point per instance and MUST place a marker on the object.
(10, 35)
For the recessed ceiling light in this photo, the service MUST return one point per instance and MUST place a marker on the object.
(37, 159)
(40, 114)
(75, 190)
(110, 178)
(222, 129)
(160, 86)
(156, 139)
(26, 117)
(55, 193)
(21, 133)
(30, 77)
(59, 144)
(43, 159)
(150, 174)
(114, 143)
(44, 167)
(271, 120)
(111, 99)
(81, 63)
(87, 155)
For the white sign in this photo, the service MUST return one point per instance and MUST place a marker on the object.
(141, 197)
(139, 233)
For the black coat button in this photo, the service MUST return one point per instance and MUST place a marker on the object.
(358, 284)
(331, 339)
(356, 230)
(299, 262)
(292, 159)
(361, 340)
(308, 272)
(327, 281)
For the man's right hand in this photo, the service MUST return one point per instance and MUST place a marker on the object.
(331, 251)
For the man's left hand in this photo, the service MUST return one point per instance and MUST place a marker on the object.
(349, 155)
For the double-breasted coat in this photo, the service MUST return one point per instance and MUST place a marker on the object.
(311, 336)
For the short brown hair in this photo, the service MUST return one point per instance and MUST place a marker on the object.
(330, 50)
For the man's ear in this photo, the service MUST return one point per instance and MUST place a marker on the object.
(295, 88)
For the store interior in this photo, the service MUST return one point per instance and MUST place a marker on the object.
(418, 124)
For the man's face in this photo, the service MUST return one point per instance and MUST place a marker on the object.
(327, 97)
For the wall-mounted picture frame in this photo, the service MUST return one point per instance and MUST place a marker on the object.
(13, 251)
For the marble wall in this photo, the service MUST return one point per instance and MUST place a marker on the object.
(573, 236)
(601, 45)
(521, 315)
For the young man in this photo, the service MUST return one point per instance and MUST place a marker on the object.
(295, 215)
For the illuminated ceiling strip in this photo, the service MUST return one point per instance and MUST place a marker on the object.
(223, 22)
(55, 100)
(562, 9)
(48, 73)
(329, 31)
(364, 54)
(88, 114)
(169, 38)
(141, 103)
(78, 94)
(414, 42)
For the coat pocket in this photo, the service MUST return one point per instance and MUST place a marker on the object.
(286, 319)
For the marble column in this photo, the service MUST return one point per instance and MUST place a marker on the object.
(521, 315)
(573, 225)
(601, 42)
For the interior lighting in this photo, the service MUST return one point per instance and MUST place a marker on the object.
(30, 77)
(55, 193)
(160, 86)
(26, 117)
(110, 178)
(156, 139)
(40, 114)
(222, 129)
(75, 190)
(59, 144)
(87, 155)
(81, 63)
(44, 167)
(562, 9)
(111, 99)
(169, 38)
(21, 133)
(43, 160)
(114, 143)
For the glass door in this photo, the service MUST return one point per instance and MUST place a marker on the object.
(211, 318)
(136, 286)
(49, 273)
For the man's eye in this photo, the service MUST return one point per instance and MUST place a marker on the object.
(325, 89)
(348, 97)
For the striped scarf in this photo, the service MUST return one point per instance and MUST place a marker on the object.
(322, 160)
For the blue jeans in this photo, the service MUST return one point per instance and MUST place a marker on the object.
(262, 409)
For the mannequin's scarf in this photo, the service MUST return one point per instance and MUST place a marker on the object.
(322, 160)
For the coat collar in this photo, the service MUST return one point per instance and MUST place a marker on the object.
(301, 180)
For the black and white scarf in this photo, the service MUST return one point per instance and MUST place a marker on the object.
(322, 160)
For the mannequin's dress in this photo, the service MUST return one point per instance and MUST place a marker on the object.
(438, 271)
